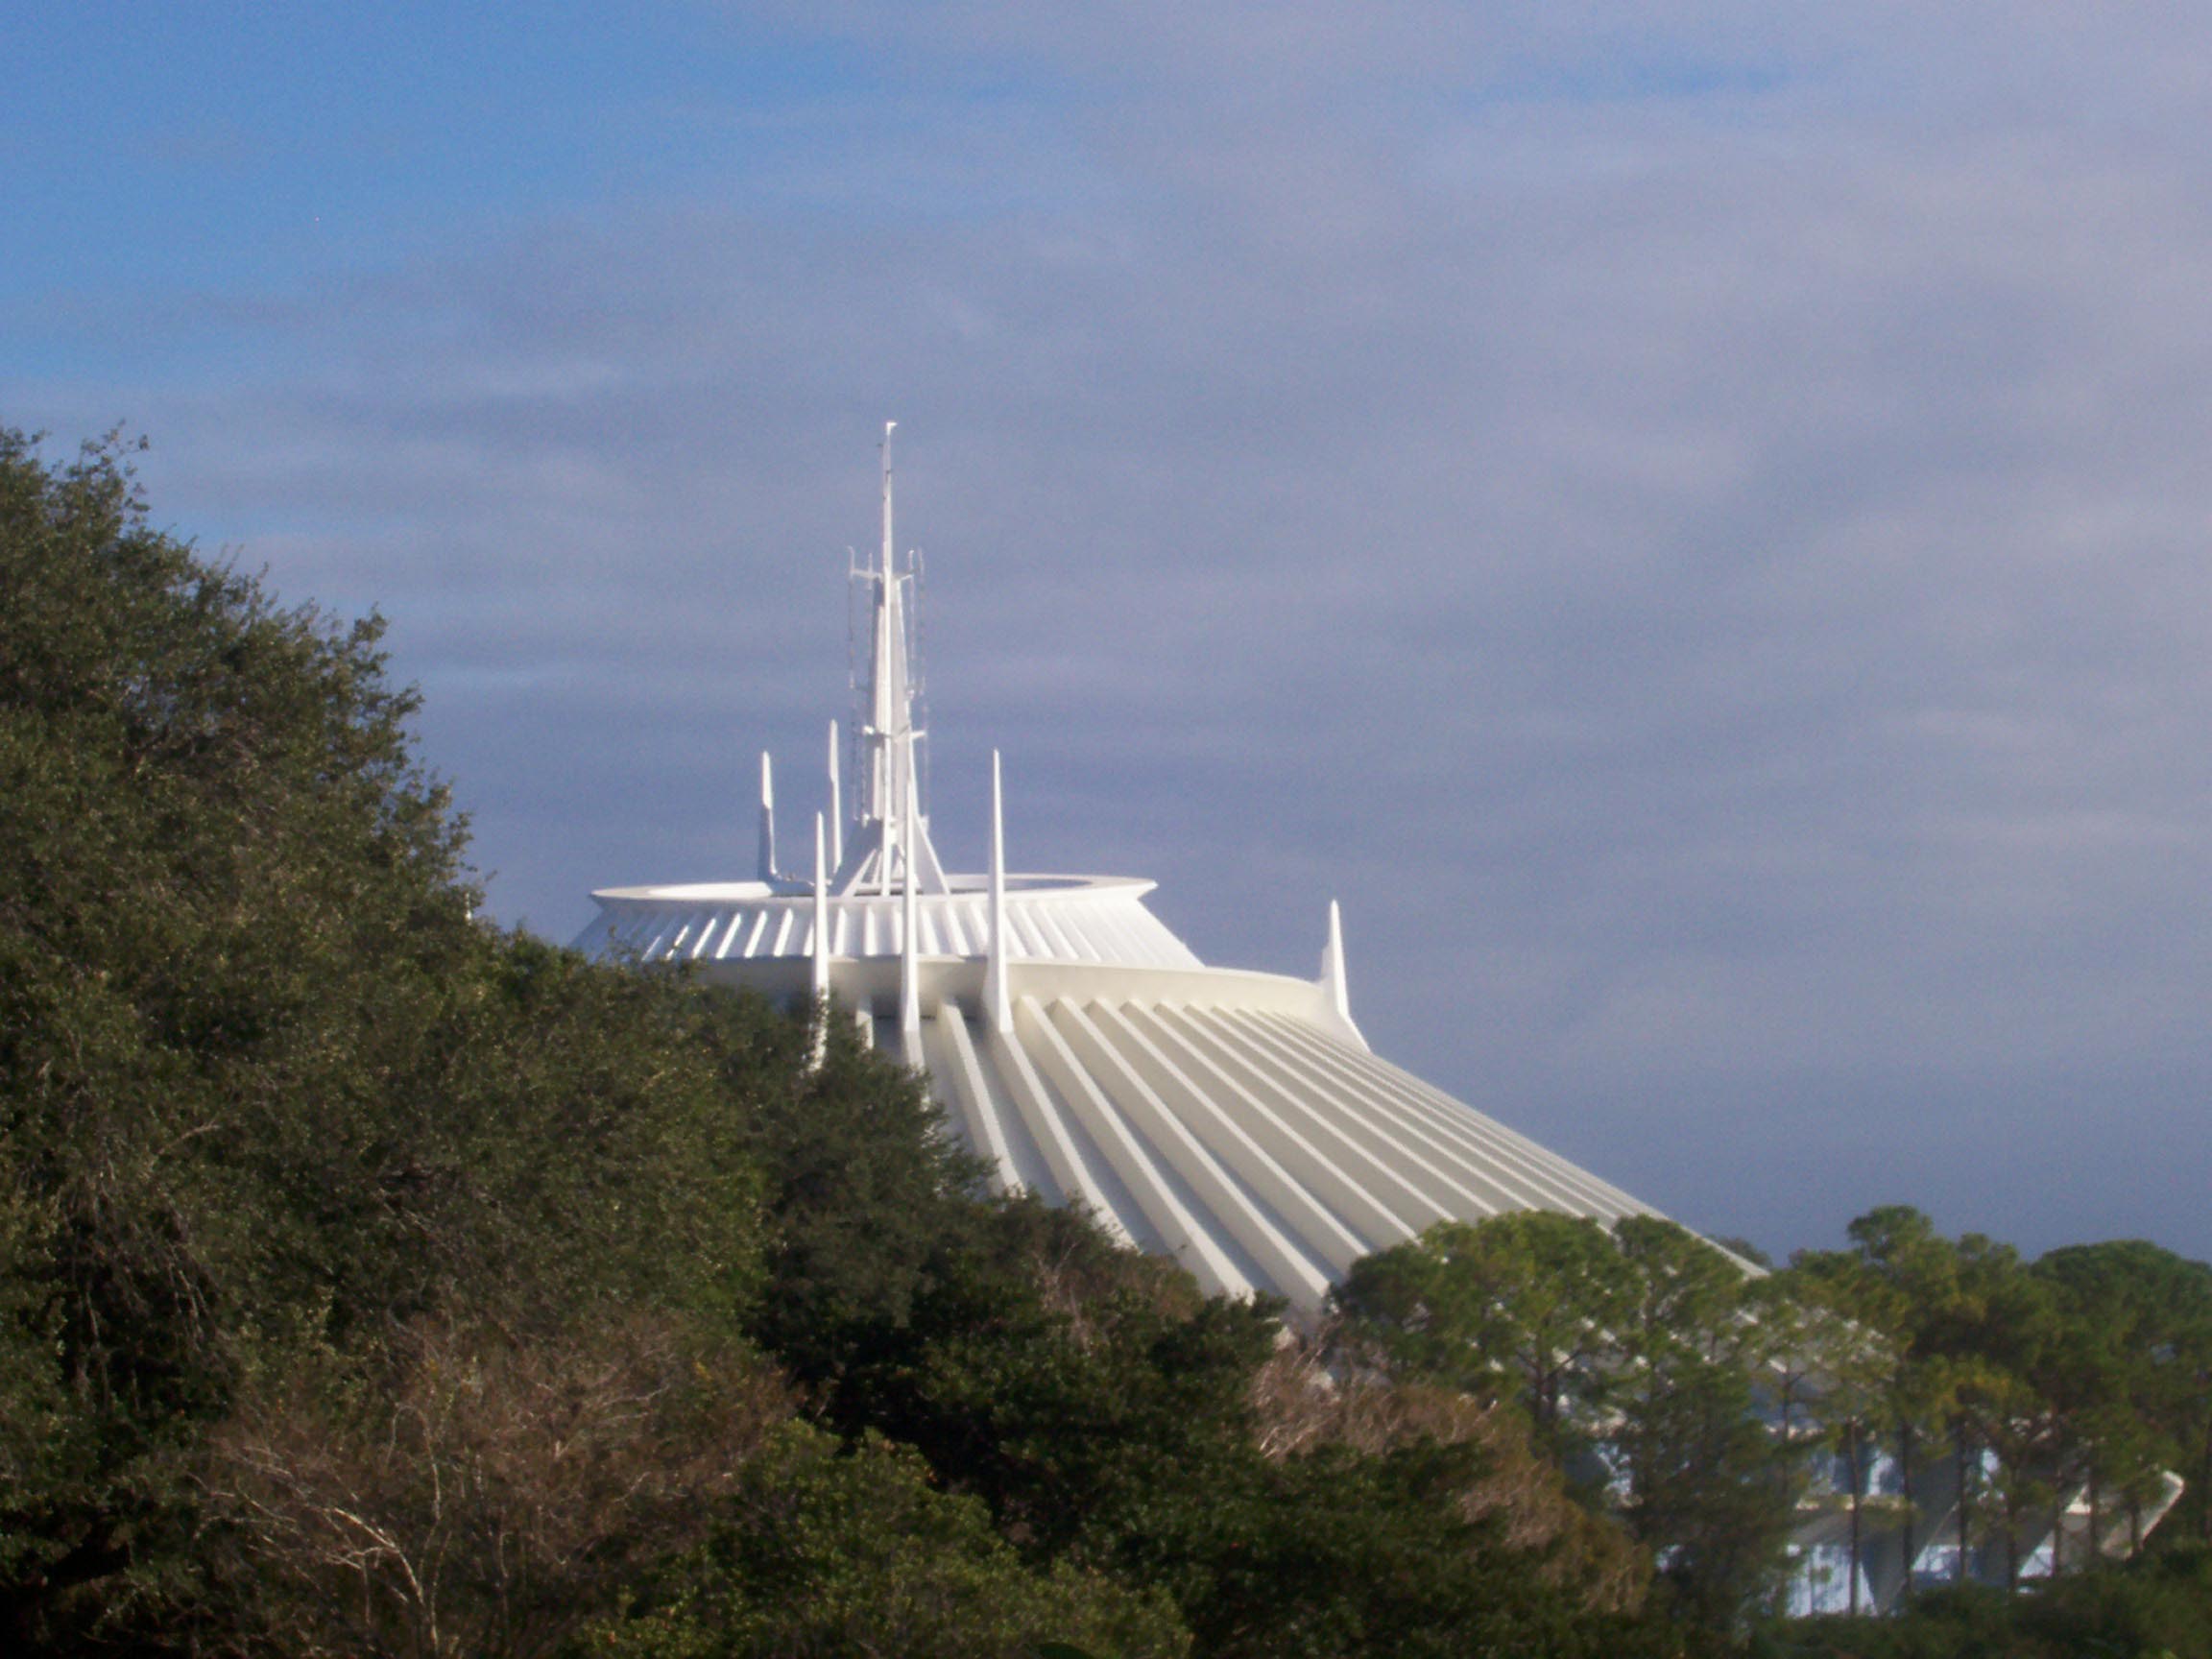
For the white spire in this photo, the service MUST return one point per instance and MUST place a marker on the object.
(1333, 976)
(890, 549)
(882, 853)
(890, 726)
(768, 819)
(998, 1005)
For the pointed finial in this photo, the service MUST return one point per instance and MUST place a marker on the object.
(889, 428)
(768, 819)
(1332, 984)
(1333, 961)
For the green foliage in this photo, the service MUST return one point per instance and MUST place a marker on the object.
(2156, 1608)
(1335, 1553)
(868, 1202)
(1518, 1307)
(1637, 1352)
(1105, 1413)
(2085, 1373)
(208, 824)
(1064, 1382)
(2136, 1368)
(832, 1550)
(267, 1093)
(1709, 1489)
(484, 1492)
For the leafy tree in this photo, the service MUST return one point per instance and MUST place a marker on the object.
(1109, 1416)
(1072, 1385)
(829, 1549)
(1643, 1343)
(2139, 1352)
(487, 1493)
(210, 829)
(1897, 1283)
(1331, 1552)
(870, 1204)
(1701, 1469)
(1314, 1394)
(2160, 1607)
(267, 1093)
(1519, 1307)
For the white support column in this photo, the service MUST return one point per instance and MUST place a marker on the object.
(820, 975)
(836, 803)
(821, 979)
(768, 819)
(997, 1002)
(910, 949)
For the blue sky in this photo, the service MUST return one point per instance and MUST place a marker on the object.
(1688, 519)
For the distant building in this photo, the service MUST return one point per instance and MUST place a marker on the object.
(1821, 1555)
(1235, 1121)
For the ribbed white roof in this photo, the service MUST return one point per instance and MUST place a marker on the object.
(1263, 1152)
(1232, 1119)
(1050, 918)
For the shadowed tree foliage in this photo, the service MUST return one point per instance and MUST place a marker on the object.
(1709, 1488)
(1109, 1418)
(1634, 1355)
(267, 1093)
(870, 1205)
(1521, 1306)
(2160, 1607)
(1321, 1389)
(2077, 1379)
(829, 1550)
(2139, 1362)
(487, 1492)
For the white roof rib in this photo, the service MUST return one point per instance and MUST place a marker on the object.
(1050, 918)
(1147, 1180)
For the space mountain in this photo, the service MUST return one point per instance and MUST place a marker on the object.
(1235, 1121)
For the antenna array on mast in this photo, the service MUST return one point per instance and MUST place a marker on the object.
(889, 845)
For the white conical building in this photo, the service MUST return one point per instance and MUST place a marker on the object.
(1232, 1119)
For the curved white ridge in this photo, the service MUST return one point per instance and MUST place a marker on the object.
(1232, 1120)
(1049, 918)
(1263, 1152)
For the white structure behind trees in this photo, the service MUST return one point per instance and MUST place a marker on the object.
(1236, 1121)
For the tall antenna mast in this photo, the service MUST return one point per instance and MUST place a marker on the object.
(889, 548)
(881, 855)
